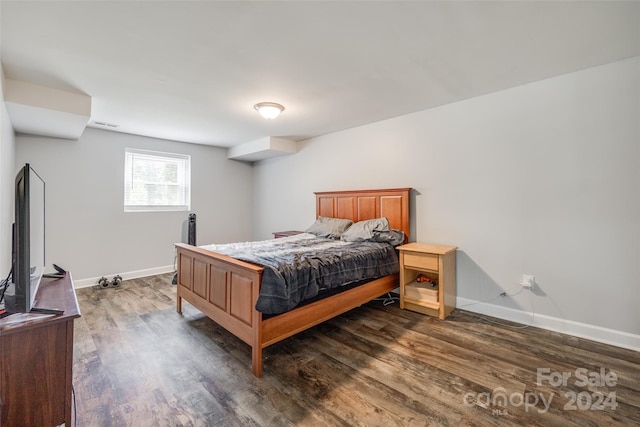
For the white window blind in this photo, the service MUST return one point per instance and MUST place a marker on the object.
(156, 181)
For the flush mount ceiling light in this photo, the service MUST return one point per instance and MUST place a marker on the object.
(269, 110)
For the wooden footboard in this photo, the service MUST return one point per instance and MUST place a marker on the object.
(226, 289)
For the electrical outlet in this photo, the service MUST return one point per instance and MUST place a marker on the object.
(528, 281)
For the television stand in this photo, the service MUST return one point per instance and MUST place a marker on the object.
(36, 360)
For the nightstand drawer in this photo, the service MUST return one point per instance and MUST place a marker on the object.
(421, 260)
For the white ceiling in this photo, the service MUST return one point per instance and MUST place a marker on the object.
(192, 71)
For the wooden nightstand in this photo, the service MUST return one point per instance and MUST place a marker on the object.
(431, 264)
(278, 234)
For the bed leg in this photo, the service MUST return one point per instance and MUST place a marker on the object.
(256, 360)
(179, 304)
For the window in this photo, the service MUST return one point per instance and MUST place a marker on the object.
(156, 181)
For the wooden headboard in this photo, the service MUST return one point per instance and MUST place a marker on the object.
(359, 205)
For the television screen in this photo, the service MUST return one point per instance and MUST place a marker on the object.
(28, 241)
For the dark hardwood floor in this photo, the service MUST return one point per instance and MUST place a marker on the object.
(139, 363)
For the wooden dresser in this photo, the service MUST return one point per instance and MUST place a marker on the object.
(36, 360)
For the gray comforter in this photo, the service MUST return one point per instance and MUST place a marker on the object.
(298, 267)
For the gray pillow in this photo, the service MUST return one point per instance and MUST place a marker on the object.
(331, 228)
(365, 230)
(393, 237)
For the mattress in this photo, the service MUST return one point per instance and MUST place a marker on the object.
(297, 268)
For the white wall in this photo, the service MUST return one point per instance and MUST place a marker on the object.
(7, 176)
(88, 231)
(541, 179)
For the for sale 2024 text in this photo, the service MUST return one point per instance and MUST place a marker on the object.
(582, 377)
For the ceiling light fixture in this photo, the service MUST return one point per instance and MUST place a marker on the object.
(269, 110)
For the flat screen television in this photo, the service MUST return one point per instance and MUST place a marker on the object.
(28, 241)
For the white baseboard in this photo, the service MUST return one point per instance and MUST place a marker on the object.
(85, 283)
(582, 330)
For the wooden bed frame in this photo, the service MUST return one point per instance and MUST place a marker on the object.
(226, 289)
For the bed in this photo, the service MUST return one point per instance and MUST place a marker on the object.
(227, 289)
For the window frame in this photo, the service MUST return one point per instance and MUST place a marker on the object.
(184, 164)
